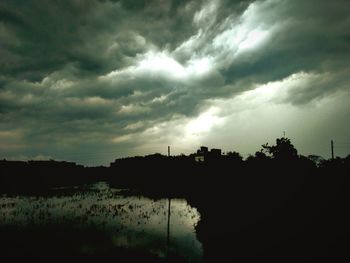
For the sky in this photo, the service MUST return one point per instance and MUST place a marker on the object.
(94, 80)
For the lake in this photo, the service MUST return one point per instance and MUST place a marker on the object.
(127, 221)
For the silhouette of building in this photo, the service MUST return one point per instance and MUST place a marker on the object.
(215, 152)
(202, 150)
(204, 154)
(199, 158)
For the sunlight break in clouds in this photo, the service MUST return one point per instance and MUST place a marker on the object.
(157, 64)
(203, 123)
(253, 40)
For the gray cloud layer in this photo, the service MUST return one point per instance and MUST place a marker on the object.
(92, 80)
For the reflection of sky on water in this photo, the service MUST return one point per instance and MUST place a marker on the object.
(132, 221)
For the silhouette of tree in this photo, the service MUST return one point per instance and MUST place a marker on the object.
(234, 156)
(261, 156)
(283, 150)
(316, 159)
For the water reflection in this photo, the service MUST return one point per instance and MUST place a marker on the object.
(130, 221)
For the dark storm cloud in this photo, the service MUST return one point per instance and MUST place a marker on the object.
(39, 37)
(87, 73)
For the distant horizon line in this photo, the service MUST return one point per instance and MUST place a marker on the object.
(78, 161)
(146, 155)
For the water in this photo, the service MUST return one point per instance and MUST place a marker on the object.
(135, 222)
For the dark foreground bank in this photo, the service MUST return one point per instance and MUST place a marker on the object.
(276, 205)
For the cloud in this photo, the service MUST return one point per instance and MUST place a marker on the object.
(113, 78)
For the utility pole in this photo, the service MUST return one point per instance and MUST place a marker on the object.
(284, 134)
(332, 149)
(168, 151)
